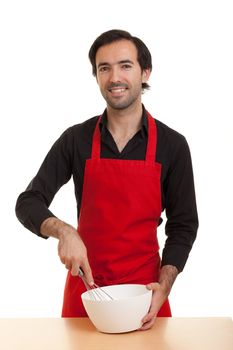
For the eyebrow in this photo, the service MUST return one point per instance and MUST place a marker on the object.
(120, 62)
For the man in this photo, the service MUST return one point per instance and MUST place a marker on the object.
(127, 168)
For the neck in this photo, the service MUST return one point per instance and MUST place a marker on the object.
(124, 122)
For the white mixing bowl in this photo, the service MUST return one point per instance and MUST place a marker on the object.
(123, 314)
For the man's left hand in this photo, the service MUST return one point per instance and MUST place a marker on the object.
(158, 298)
(160, 290)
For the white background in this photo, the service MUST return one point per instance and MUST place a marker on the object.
(46, 86)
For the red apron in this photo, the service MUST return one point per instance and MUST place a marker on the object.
(120, 211)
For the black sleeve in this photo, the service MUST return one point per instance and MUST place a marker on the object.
(180, 206)
(56, 169)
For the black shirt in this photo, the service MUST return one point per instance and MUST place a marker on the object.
(67, 158)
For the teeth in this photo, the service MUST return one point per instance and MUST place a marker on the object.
(118, 90)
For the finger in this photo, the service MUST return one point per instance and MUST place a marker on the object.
(75, 268)
(148, 325)
(61, 255)
(151, 314)
(154, 307)
(153, 286)
(65, 261)
(68, 265)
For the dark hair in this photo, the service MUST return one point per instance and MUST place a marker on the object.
(143, 54)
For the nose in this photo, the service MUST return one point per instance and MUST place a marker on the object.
(115, 75)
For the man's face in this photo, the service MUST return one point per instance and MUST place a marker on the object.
(119, 74)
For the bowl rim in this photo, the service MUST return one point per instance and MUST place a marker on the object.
(146, 291)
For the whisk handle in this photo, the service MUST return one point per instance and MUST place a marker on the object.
(80, 272)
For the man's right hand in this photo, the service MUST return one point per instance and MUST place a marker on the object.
(71, 249)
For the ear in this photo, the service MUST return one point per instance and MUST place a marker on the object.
(146, 75)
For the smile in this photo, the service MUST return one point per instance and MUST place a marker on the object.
(117, 90)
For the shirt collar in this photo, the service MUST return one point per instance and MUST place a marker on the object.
(144, 125)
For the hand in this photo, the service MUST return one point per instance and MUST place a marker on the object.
(159, 296)
(73, 253)
(161, 290)
(71, 249)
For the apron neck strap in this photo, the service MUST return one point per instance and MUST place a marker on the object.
(151, 143)
(152, 140)
(95, 153)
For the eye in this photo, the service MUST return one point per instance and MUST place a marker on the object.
(126, 66)
(103, 69)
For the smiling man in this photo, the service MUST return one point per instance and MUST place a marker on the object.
(127, 168)
(119, 75)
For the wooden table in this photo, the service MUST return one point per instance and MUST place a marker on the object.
(80, 334)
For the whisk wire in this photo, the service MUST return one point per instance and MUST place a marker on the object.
(95, 292)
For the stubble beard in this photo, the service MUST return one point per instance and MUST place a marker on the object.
(124, 104)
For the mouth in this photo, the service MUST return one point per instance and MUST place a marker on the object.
(117, 91)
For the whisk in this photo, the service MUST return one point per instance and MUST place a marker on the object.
(95, 292)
